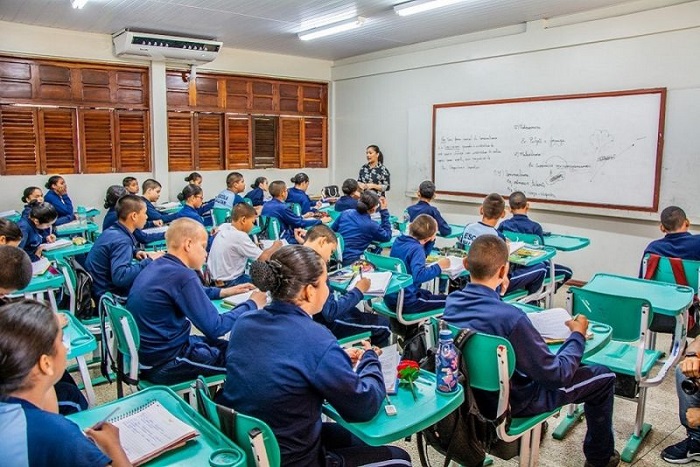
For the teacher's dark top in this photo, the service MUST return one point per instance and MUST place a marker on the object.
(378, 175)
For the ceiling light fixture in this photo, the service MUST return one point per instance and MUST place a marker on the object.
(330, 29)
(79, 4)
(419, 6)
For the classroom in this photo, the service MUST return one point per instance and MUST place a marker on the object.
(381, 84)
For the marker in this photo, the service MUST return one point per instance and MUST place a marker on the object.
(99, 424)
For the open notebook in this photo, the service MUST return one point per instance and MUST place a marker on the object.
(156, 230)
(150, 430)
(235, 300)
(379, 282)
(550, 324)
(59, 243)
(389, 360)
(456, 267)
(40, 267)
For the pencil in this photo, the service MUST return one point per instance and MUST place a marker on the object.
(99, 424)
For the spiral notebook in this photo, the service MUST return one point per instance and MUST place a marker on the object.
(150, 430)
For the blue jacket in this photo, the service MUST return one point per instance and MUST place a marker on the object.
(295, 195)
(520, 223)
(288, 220)
(189, 211)
(256, 196)
(412, 253)
(63, 205)
(141, 237)
(111, 262)
(480, 308)
(27, 209)
(336, 308)
(683, 245)
(345, 202)
(359, 230)
(155, 215)
(286, 389)
(165, 310)
(31, 237)
(421, 207)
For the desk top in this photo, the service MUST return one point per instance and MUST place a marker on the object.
(549, 253)
(81, 340)
(411, 416)
(566, 242)
(46, 281)
(195, 452)
(74, 229)
(71, 250)
(457, 231)
(667, 299)
(398, 282)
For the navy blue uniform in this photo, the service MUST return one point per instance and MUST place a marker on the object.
(345, 202)
(683, 245)
(155, 215)
(422, 207)
(141, 237)
(165, 310)
(286, 389)
(295, 195)
(288, 220)
(542, 381)
(31, 436)
(63, 205)
(110, 262)
(256, 196)
(31, 237)
(416, 300)
(359, 230)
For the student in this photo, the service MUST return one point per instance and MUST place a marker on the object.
(677, 242)
(113, 194)
(192, 196)
(195, 178)
(340, 314)
(57, 195)
(411, 250)
(36, 228)
(259, 194)
(10, 234)
(228, 198)
(111, 261)
(520, 223)
(31, 193)
(165, 311)
(131, 185)
(492, 209)
(351, 193)
(359, 229)
(151, 194)
(543, 381)
(277, 208)
(426, 193)
(297, 194)
(232, 248)
(311, 370)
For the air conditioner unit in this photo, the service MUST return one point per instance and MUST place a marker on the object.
(165, 47)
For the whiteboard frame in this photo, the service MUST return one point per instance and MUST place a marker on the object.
(659, 142)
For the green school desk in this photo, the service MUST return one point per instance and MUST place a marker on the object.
(566, 242)
(169, 207)
(398, 282)
(82, 343)
(74, 228)
(46, 283)
(200, 451)
(67, 252)
(12, 216)
(457, 231)
(411, 416)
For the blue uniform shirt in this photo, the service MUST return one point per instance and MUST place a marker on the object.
(227, 199)
(345, 202)
(477, 229)
(286, 389)
(412, 253)
(165, 310)
(359, 230)
(683, 245)
(288, 220)
(141, 237)
(421, 207)
(31, 237)
(110, 262)
(155, 215)
(520, 223)
(295, 195)
(256, 196)
(31, 436)
(63, 205)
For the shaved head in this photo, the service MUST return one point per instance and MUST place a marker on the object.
(181, 230)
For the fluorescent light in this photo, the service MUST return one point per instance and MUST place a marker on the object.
(419, 6)
(334, 28)
(78, 3)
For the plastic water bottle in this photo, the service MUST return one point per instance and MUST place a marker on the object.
(446, 373)
(82, 216)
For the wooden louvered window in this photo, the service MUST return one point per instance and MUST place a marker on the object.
(264, 142)
(209, 154)
(314, 142)
(133, 141)
(290, 143)
(180, 141)
(18, 141)
(238, 142)
(98, 140)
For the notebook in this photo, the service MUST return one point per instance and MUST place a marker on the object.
(168, 205)
(550, 324)
(68, 225)
(456, 267)
(40, 267)
(155, 230)
(59, 243)
(265, 244)
(379, 282)
(150, 430)
(515, 246)
(389, 360)
(9, 213)
(235, 300)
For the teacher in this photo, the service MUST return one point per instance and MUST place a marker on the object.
(374, 175)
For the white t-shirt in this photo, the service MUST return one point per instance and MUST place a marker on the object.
(230, 252)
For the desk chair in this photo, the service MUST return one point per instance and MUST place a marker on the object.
(220, 215)
(271, 225)
(387, 263)
(295, 207)
(125, 352)
(239, 428)
(628, 352)
(338, 253)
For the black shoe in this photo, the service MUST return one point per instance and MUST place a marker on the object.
(686, 451)
(612, 462)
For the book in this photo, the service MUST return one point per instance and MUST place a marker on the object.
(550, 324)
(389, 360)
(9, 213)
(515, 246)
(59, 243)
(265, 244)
(150, 430)
(40, 267)
(379, 282)
(168, 205)
(234, 300)
(156, 230)
(456, 267)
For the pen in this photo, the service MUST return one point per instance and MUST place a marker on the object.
(99, 424)
(351, 279)
(360, 272)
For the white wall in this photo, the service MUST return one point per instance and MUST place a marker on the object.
(34, 41)
(386, 99)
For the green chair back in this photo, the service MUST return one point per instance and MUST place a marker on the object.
(664, 273)
(333, 213)
(248, 201)
(530, 239)
(623, 314)
(273, 226)
(220, 215)
(237, 426)
(295, 207)
(340, 247)
(386, 263)
(71, 280)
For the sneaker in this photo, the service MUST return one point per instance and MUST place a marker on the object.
(612, 462)
(682, 453)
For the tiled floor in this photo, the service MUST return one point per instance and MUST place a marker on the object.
(662, 413)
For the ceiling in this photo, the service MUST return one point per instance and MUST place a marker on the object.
(272, 25)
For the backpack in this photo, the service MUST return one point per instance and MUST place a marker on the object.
(465, 435)
(84, 305)
(330, 191)
(264, 224)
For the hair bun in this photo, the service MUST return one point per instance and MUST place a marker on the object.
(266, 275)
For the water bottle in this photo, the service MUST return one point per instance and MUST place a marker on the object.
(404, 222)
(446, 373)
(82, 216)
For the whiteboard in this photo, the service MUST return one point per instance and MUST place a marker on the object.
(592, 150)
